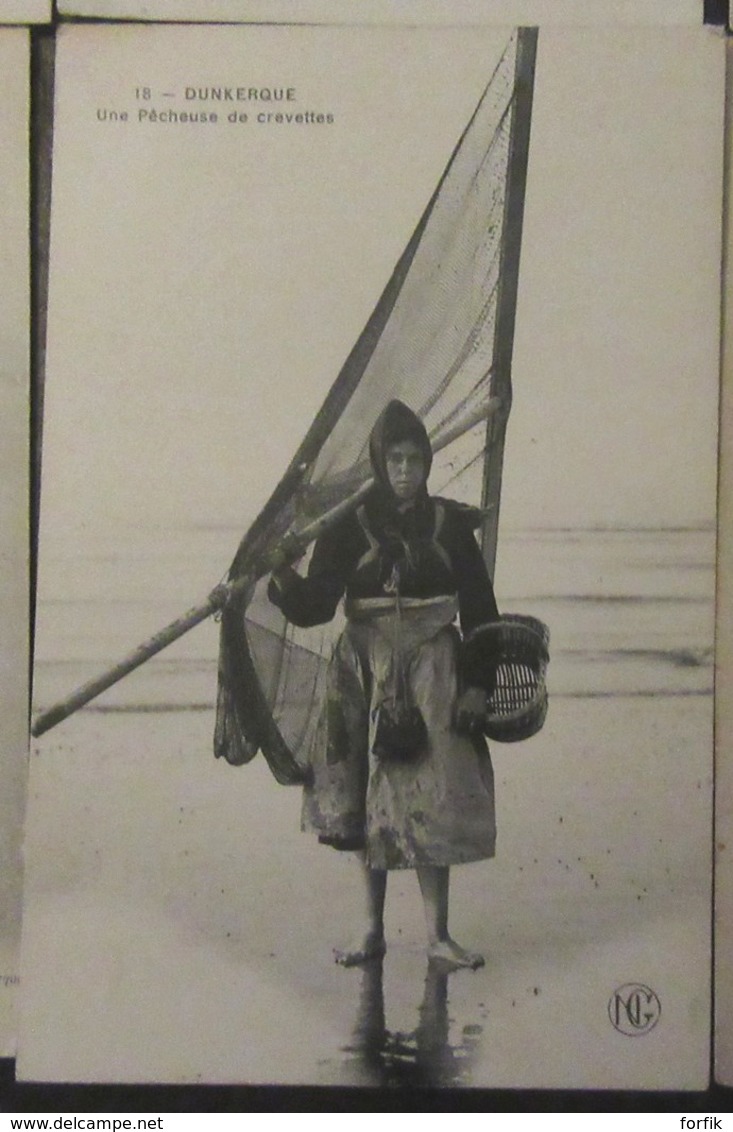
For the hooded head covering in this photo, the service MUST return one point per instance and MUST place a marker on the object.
(395, 424)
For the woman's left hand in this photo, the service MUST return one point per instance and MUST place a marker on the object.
(470, 715)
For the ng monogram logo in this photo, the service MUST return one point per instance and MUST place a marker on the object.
(634, 1009)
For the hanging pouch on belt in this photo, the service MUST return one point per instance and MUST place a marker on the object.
(400, 733)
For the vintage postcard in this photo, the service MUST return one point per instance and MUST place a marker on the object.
(258, 228)
(14, 490)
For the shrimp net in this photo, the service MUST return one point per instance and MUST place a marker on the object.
(439, 339)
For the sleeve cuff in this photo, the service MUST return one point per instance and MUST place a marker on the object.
(280, 585)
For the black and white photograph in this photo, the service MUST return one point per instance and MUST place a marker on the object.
(374, 654)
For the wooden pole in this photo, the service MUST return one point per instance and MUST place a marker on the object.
(60, 711)
(290, 548)
(501, 382)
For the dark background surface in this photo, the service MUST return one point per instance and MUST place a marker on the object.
(87, 1099)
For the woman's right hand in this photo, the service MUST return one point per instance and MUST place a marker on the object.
(281, 574)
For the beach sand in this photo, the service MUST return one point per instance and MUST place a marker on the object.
(179, 927)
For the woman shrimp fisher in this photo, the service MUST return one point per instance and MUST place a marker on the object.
(399, 769)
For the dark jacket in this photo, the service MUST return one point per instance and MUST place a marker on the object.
(427, 550)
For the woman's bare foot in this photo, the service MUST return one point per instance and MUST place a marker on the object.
(450, 954)
(372, 946)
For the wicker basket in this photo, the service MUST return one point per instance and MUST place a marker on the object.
(517, 706)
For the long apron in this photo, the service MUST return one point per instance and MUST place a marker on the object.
(436, 810)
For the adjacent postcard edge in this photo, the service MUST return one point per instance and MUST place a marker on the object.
(15, 390)
(723, 1014)
(687, 13)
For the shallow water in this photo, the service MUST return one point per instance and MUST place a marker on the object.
(629, 611)
(180, 927)
(602, 876)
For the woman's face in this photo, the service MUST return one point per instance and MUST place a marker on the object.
(405, 470)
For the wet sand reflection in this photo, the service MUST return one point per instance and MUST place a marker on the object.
(424, 1056)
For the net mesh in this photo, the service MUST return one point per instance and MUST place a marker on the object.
(430, 343)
